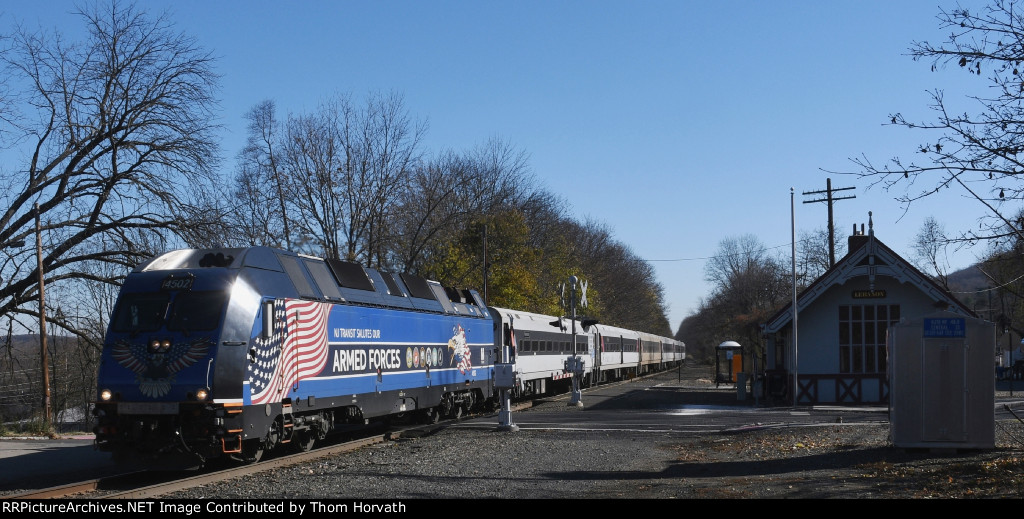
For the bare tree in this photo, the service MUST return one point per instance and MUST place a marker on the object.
(741, 259)
(749, 285)
(312, 158)
(978, 154)
(929, 250)
(381, 146)
(116, 136)
(448, 193)
(622, 287)
(259, 183)
(330, 181)
(429, 211)
(813, 256)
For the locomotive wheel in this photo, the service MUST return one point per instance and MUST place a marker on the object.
(431, 415)
(252, 451)
(304, 441)
(447, 407)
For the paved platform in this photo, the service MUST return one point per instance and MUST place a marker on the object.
(29, 463)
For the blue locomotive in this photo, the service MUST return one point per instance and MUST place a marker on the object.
(232, 353)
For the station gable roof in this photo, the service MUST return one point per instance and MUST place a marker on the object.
(867, 257)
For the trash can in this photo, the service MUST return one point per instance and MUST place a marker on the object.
(741, 386)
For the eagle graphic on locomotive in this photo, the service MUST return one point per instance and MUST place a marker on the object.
(233, 353)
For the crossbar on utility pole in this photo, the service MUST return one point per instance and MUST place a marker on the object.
(831, 226)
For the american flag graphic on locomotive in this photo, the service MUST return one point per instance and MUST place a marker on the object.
(296, 349)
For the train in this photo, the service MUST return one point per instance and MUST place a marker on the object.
(233, 353)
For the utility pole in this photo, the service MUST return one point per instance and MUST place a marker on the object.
(831, 226)
(486, 301)
(44, 355)
(796, 356)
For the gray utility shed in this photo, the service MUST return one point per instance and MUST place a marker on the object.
(942, 384)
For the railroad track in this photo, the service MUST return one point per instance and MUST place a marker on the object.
(149, 484)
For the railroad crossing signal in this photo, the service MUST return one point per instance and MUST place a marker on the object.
(565, 303)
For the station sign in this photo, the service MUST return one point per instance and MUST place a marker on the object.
(945, 327)
(868, 294)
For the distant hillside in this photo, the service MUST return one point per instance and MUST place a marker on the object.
(970, 286)
(28, 344)
(968, 279)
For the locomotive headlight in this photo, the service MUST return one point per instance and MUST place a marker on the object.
(105, 395)
(159, 345)
(202, 394)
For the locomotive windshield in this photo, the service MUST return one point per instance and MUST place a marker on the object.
(140, 312)
(197, 311)
(190, 311)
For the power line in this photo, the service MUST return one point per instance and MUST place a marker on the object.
(831, 228)
(744, 253)
(990, 289)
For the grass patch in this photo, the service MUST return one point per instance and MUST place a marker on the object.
(33, 427)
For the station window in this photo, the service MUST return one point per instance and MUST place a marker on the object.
(862, 330)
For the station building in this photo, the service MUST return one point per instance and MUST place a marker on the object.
(839, 355)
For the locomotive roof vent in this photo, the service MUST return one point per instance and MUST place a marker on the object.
(418, 286)
(350, 274)
(218, 259)
(193, 258)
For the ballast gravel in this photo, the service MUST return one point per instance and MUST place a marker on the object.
(473, 460)
(460, 463)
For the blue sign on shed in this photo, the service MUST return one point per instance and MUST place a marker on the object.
(945, 327)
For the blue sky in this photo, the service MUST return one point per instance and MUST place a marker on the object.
(677, 123)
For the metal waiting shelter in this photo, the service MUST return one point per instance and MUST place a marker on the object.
(733, 362)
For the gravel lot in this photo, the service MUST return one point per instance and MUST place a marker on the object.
(831, 461)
